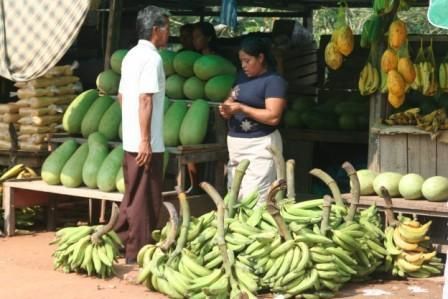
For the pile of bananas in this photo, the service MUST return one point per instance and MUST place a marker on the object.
(369, 80)
(18, 171)
(407, 117)
(412, 254)
(443, 76)
(434, 121)
(24, 217)
(308, 249)
(431, 122)
(87, 249)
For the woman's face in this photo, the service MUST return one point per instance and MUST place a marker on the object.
(186, 39)
(252, 65)
(200, 41)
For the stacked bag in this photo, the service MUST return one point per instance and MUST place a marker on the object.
(39, 108)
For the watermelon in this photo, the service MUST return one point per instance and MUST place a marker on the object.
(108, 82)
(116, 59)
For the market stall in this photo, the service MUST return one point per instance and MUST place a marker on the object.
(219, 247)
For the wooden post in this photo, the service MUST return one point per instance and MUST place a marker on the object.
(308, 20)
(113, 30)
(378, 105)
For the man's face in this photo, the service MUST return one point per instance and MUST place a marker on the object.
(161, 34)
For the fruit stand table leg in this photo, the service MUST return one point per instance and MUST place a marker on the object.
(51, 213)
(9, 212)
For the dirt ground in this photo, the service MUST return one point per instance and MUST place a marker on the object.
(26, 272)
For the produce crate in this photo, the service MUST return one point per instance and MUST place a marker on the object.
(406, 149)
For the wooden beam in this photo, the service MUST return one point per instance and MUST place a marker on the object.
(113, 30)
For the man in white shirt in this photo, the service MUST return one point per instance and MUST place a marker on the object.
(141, 94)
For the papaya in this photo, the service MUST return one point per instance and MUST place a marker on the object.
(389, 61)
(344, 40)
(333, 58)
(395, 83)
(398, 34)
(406, 69)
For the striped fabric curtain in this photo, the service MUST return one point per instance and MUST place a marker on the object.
(35, 34)
(228, 13)
(438, 13)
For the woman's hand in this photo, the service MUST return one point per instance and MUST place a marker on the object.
(228, 108)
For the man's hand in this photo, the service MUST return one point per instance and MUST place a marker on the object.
(144, 153)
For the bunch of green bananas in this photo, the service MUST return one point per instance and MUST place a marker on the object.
(369, 80)
(412, 254)
(425, 79)
(76, 252)
(443, 76)
(308, 249)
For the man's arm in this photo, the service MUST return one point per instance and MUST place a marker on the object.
(145, 115)
(120, 99)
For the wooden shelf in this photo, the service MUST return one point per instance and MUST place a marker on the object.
(421, 207)
(329, 136)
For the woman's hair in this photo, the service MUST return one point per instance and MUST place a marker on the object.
(186, 27)
(149, 17)
(208, 31)
(254, 46)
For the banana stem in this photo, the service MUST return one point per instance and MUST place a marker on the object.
(390, 217)
(272, 208)
(174, 221)
(236, 184)
(325, 214)
(290, 184)
(279, 167)
(104, 229)
(217, 199)
(185, 212)
(355, 190)
(330, 182)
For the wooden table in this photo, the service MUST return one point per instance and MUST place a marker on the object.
(10, 201)
(199, 154)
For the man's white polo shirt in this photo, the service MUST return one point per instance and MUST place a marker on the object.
(142, 72)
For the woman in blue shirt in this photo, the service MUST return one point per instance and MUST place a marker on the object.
(254, 110)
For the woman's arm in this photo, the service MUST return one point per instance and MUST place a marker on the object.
(270, 115)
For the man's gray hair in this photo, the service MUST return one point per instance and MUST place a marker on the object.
(149, 17)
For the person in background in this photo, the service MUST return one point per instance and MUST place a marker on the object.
(204, 38)
(141, 94)
(186, 37)
(254, 110)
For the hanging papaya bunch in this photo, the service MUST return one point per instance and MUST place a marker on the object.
(396, 82)
(342, 40)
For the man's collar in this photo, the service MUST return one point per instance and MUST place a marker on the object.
(147, 43)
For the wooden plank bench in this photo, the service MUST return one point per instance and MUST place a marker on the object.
(10, 201)
(418, 207)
